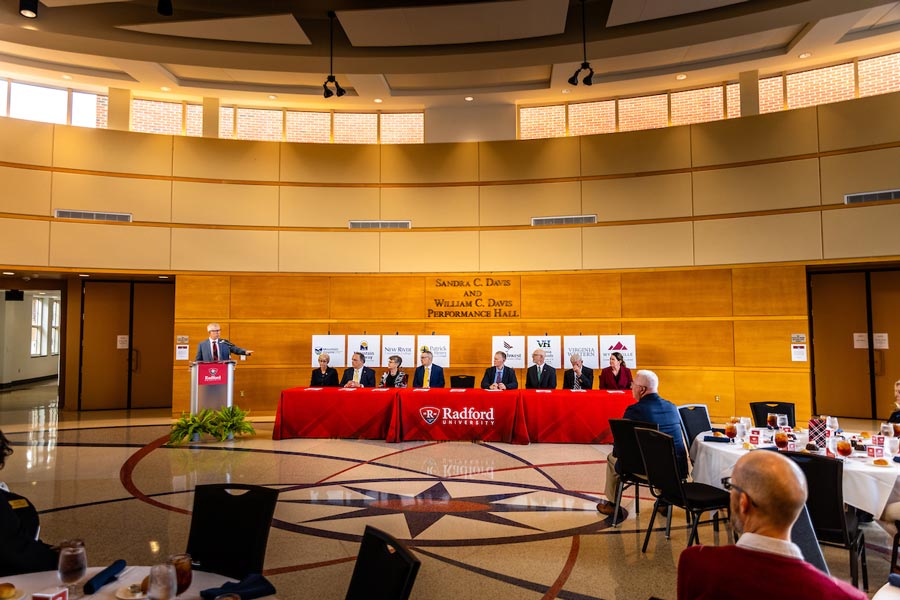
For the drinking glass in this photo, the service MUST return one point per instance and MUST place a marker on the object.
(896, 427)
(832, 422)
(163, 582)
(746, 422)
(844, 448)
(741, 431)
(183, 572)
(781, 420)
(731, 431)
(887, 430)
(72, 564)
(781, 440)
(892, 445)
(771, 420)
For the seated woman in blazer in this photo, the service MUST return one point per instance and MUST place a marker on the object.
(324, 376)
(395, 376)
(616, 376)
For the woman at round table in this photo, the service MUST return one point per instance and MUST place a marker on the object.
(616, 376)
(394, 377)
(324, 376)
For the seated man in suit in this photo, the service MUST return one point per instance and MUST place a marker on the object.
(579, 377)
(358, 375)
(540, 376)
(650, 408)
(216, 349)
(499, 377)
(428, 374)
(767, 493)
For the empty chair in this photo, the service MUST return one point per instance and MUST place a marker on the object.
(462, 381)
(229, 531)
(658, 452)
(833, 523)
(694, 420)
(761, 409)
(629, 464)
(384, 569)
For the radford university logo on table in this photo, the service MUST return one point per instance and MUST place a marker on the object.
(465, 416)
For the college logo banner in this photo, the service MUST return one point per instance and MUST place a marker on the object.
(623, 344)
(438, 345)
(586, 346)
(550, 344)
(403, 346)
(333, 346)
(513, 346)
(367, 345)
(211, 374)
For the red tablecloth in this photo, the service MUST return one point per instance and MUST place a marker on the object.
(334, 413)
(573, 417)
(458, 414)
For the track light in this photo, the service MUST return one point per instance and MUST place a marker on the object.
(165, 8)
(585, 65)
(28, 8)
(331, 79)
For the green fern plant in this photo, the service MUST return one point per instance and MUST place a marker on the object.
(189, 425)
(231, 420)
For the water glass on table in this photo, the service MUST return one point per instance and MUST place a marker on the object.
(163, 582)
(72, 566)
(183, 571)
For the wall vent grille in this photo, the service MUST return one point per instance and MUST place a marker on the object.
(380, 224)
(86, 215)
(569, 220)
(872, 197)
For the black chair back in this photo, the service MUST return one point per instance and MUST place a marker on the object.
(658, 452)
(462, 381)
(384, 569)
(625, 445)
(803, 535)
(229, 532)
(695, 420)
(760, 411)
(824, 479)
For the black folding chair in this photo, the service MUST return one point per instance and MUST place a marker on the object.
(834, 524)
(384, 569)
(761, 410)
(462, 381)
(803, 534)
(694, 421)
(666, 485)
(629, 464)
(229, 532)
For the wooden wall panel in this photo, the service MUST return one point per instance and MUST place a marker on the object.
(332, 252)
(215, 159)
(528, 250)
(331, 163)
(430, 251)
(861, 231)
(687, 293)
(224, 204)
(327, 207)
(109, 246)
(766, 343)
(224, 250)
(202, 297)
(112, 150)
(682, 343)
(758, 187)
(774, 387)
(145, 199)
(528, 159)
(761, 291)
(25, 191)
(458, 206)
(279, 297)
(429, 163)
(636, 151)
(699, 386)
(786, 133)
(374, 297)
(871, 171)
(636, 246)
(633, 198)
(597, 295)
(758, 239)
(282, 343)
(24, 242)
(517, 204)
(859, 122)
(33, 141)
(260, 386)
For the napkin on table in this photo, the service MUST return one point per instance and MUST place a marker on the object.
(712, 438)
(894, 579)
(108, 574)
(252, 586)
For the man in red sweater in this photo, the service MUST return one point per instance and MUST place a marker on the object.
(767, 493)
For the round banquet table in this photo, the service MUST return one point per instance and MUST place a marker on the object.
(887, 592)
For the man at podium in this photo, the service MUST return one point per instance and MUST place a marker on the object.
(215, 349)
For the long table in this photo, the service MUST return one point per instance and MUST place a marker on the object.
(574, 417)
(352, 413)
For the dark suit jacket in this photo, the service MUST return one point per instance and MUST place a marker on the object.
(437, 377)
(205, 353)
(587, 378)
(508, 378)
(327, 379)
(654, 409)
(366, 378)
(19, 551)
(548, 378)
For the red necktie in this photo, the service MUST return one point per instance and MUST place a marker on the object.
(215, 346)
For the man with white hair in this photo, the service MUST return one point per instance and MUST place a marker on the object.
(650, 408)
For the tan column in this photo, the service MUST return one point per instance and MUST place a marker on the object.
(749, 81)
(119, 109)
(211, 117)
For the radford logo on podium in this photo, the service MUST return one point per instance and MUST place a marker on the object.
(465, 416)
(211, 374)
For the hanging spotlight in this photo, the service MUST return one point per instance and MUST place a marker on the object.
(585, 65)
(28, 8)
(165, 8)
(331, 79)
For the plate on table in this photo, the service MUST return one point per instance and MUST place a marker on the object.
(125, 593)
(874, 464)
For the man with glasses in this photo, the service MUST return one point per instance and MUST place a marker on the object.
(650, 408)
(428, 374)
(767, 493)
(215, 349)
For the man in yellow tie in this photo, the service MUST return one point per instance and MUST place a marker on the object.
(428, 374)
(358, 374)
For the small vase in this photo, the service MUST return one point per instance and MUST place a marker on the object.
(195, 437)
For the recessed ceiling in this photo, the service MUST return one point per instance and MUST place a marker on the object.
(273, 29)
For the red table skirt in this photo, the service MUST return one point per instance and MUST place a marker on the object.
(567, 416)
(334, 413)
(458, 414)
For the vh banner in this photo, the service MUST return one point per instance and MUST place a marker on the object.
(403, 346)
(367, 345)
(551, 347)
(618, 343)
(333, 345)
(586, 346)
(513, 346)
(438, 345)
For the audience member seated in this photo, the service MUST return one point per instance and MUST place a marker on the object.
(324, 376)
(616, 376)
(20, 549)
(499, 377)
(579, 377)
(428, 374)
(895, 416)
(394, 377)
(540, 376)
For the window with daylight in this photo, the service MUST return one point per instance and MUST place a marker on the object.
(590, 118)
(84, 109)
(54, 326)
(37, 103)
(820, 86)
(355, 128)
(644, 112)
(880, 75)
(310, 127)
(38, 326)
(698, 106)
(403, 128)
(154, 116)
(542, 122)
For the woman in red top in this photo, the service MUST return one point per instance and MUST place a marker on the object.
(616, 376)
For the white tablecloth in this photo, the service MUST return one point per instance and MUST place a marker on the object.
(865, 486)
(888, 592)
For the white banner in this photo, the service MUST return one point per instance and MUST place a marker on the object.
(367, 345)
(438, 345)
(550, 344)
(333, 345)
(586, 346)
(618, 343)
(513, 346)
(403, 346)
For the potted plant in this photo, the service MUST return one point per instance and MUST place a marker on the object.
(232, 421)
(191, 426)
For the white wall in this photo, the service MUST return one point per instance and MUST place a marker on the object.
(472, 123)
(16, 363)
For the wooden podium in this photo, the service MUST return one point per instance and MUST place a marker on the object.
(212, 385)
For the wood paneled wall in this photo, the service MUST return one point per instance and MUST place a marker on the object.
(717, 336)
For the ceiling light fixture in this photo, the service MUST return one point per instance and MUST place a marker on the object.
(8, 273)
(165, 8)
(28, 8)
(805, 55)
(585, 65)
(83, 275)
(328, 93)
(469, 98)
(681, 77)
(378, 101)
(273, 97)
(67, 77)
(166, 88)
